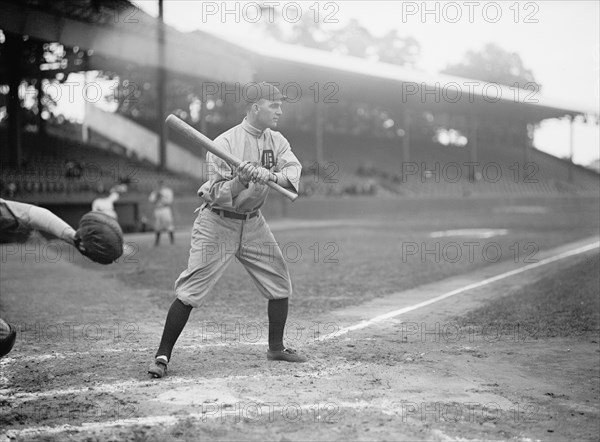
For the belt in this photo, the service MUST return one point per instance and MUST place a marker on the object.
(233, 215)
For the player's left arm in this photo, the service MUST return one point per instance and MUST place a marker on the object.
(114, 195)
(41, 219)
(288, 169)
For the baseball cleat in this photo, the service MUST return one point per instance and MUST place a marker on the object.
(287, 355)
(158, 369)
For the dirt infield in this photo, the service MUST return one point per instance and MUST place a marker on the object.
(87, 334)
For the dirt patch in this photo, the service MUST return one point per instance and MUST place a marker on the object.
(429, 374)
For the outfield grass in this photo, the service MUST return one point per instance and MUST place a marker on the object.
(339, 266)
(563, 304)
(348, 265)
(335, 267)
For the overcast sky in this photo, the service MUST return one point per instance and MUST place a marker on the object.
(558, 40)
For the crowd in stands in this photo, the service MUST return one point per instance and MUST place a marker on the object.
(64, 167)
(541, 175)
(327, 180)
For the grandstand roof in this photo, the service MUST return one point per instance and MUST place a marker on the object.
(122, 35)
(119, 35)
(398, 85)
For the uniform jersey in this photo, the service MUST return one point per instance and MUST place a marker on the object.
(163, 216)
(162, 197)
(106, 204)
(267, 148)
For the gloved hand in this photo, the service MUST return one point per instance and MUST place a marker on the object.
(99, 237)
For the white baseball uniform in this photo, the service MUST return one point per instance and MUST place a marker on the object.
(163, 215)
(230, 224)
(106, 204)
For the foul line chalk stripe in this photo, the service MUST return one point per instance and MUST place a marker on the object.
(14, 396)
(466, 288)
(168, 420)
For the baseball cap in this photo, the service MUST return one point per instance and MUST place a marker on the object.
(255, 91)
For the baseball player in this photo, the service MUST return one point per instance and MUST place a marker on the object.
(162, 198)
(107, 204)
(229, 224)
(17, 222)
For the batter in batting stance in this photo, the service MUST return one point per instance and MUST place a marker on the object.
(230, 224)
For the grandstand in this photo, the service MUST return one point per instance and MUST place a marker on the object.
(436, 170)
(56, 164)
(66, 175)
(63, 169)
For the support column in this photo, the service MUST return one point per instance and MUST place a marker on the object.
(406, 139)
(473, 146)
(526, 144)
(14, 45)
(319, 130)
(85, 128)
(41, 123)
(161, 80)
(571, 146)
(203, 122)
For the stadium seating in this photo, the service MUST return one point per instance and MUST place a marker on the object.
(434, 170)
(58, 167)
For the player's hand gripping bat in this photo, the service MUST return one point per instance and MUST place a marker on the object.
(197, 137)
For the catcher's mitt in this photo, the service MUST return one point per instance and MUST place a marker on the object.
(8, 336)
(99, 237)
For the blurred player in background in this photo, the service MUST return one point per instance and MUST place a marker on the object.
(17, 222)
(106, 204)
(162, 198)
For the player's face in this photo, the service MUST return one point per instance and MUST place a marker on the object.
(267, 114)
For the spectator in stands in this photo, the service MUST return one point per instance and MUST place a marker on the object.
(12, 189)
(125, 180)
(162, 198)
(106, 204)
(74, 170)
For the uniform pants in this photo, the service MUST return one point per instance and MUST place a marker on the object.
(216, 241)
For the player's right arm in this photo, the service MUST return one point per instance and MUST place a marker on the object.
(288, 169)
(224, 183)
(38, 218)
(96, 205)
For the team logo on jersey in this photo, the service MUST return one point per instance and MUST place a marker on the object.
(268, 159)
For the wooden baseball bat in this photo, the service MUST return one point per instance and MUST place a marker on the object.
(197, 137)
